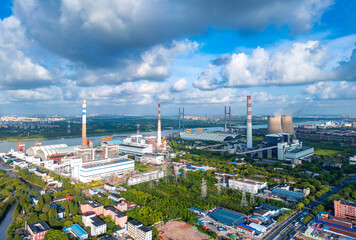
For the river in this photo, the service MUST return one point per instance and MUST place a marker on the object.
(5, 223)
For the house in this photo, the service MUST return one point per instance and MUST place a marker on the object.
(138, 231)
(61, 213)
(61, 199)
(77, 231)
(92, 206)
(109, 187)
(97, 226)
(118, 217)
(115, 197)
(37, 230)
(125, 205)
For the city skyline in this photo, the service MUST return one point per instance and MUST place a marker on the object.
(292, 57)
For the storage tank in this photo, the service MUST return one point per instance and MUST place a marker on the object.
(287, 124)
(274, 125)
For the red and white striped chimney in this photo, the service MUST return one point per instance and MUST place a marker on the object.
(84, 124)
(159, 126)
(249, 123)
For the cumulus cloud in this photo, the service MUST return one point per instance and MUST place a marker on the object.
(180, 85)
(17, 69)
(301, 63)
(332, 90)
(207, 79)
(85, 29)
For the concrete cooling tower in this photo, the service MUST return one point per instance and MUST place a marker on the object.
(287, 124)
(274, 125)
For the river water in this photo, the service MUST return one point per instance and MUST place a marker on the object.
(5, 223)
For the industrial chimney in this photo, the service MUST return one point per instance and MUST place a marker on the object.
(249, 123)
(287, 124)
(159, 126)
(84, 124)
(274, 125)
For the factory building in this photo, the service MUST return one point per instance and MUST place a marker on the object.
(288, 195)
(251, 186)
(135, 148)
(55, 153)
(154, 159)
(294, 150)
(205, 136)
(33, 151)
(145, 177)
(100, 169)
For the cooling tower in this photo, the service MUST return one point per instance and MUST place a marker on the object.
(274, 125)
(287, 124)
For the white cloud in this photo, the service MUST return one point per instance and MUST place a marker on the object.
(17, 69)
(332, 90)
(180, 85)
(207, 80)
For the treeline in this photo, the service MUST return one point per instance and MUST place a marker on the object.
(31, 178)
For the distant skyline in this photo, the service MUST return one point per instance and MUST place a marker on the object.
(293, 57)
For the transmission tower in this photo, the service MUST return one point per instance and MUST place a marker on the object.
(252, 199)
(243, 198)
(185, 176)
(203, 189)
(176, 178)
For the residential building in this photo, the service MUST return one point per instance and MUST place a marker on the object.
(352, 160)
(86, 218)
(92, 206)
(138, 231)
(40, 173)
(97, 226)
(38, 230)
(345, 210)
(118, 217)
(77, 231)
(145, 177)
(251, 186)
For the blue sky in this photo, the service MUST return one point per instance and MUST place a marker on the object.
(125, 57)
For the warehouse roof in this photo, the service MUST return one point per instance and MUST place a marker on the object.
(205, 136)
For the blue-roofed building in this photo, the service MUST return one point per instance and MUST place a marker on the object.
(196, 210)
(288, 195)
(77, 231)
(227, 217)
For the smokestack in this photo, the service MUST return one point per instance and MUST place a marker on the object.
(287, 124)
(225, 129)
(274, 125)
(84, 124)
(249, 123)
(159, 126)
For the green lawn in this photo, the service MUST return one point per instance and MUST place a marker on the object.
(326, 152)
(143, 168)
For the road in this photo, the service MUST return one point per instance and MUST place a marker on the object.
(286, 228)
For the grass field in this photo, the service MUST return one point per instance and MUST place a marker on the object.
(327, 152)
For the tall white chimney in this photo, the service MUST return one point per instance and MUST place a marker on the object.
(249, 123)
(159, 126)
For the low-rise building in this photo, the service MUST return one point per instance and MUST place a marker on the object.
(115, 197)
(154, 159)
(352, 160)
(38, 230)
(138, 231)
(92, 206)
(251, 186)
(40, 173)
(290, 196)
(125, 205)
(77, 231)
(109, 187)
(97, 226)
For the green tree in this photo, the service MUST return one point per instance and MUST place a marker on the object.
(68, 223)
(54, 234)
(40, 204)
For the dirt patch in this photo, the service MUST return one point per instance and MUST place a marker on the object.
(180, 231)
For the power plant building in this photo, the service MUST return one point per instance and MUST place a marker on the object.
(205, 136)
(99, 169)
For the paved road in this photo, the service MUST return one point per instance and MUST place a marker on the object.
(297, 216)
